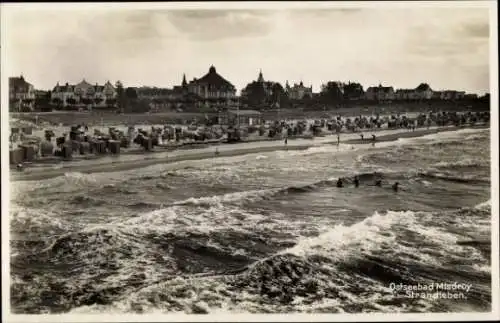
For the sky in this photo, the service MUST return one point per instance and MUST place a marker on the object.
(393, 46)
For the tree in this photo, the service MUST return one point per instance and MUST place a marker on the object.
(43, 101)
(86, 101)
(120, 95)
(111, 101)
(57, 102)
(353, 91)
(98, 100)
(131, 93)
(331, 93)
(279, 96)
(255, 94)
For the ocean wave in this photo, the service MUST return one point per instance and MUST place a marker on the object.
(484, 205)
(466, 179)
(86, 201)
(468, 162)
(316, 274)
(80, 178)
(256, 195)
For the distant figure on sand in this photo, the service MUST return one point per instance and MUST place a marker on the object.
(395, 187)
(378, 182)
(340, 183)
(362, 137)
(338, 139)
(374, 138)
(216, 151)
(356, 181)
(286, 141)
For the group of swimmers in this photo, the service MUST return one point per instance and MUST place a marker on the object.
(378, 183)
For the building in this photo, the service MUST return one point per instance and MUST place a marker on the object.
(471, 96)
(298, 91)
(241, 117)
(423, 92)
(266, 85)
(84, 93)
(452, 95)
(437, 95)
(212, 86)
(155, 93)
(380, 93)
(21, 93)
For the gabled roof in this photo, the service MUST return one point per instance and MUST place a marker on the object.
(64, 88)
(214, 79)
(380, 89)
(423, 87)
(18, 82)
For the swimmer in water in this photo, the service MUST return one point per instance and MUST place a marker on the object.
(356, 181)
(395, 187)
(378, 183)
(340, 183)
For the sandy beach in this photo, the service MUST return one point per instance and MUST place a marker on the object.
(123, 163)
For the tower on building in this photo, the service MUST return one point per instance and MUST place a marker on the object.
(184, 82)
(261, 78)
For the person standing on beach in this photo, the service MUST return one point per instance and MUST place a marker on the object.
(338, 139)
(356, 181)
(362, 137)
(286, 141)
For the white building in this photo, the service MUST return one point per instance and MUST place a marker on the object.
(21, 93)
(84, 93)
(452, 95)
(380, 93)
(212, 86)
(423, 92)
(298, 91)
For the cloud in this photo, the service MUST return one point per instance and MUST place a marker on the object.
(476, 30)
(208, 25)
(445, 47)
(464, 36)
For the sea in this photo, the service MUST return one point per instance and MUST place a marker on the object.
(263, 233)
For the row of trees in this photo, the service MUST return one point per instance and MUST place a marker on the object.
(331, 93)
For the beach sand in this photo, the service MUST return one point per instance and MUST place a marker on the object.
(194, 154)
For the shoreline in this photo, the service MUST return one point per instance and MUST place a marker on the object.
(185, 155)
(410, 134)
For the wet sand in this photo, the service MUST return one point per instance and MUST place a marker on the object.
(193, 154)
(407, 134)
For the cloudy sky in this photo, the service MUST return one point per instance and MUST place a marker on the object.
(402, 47)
